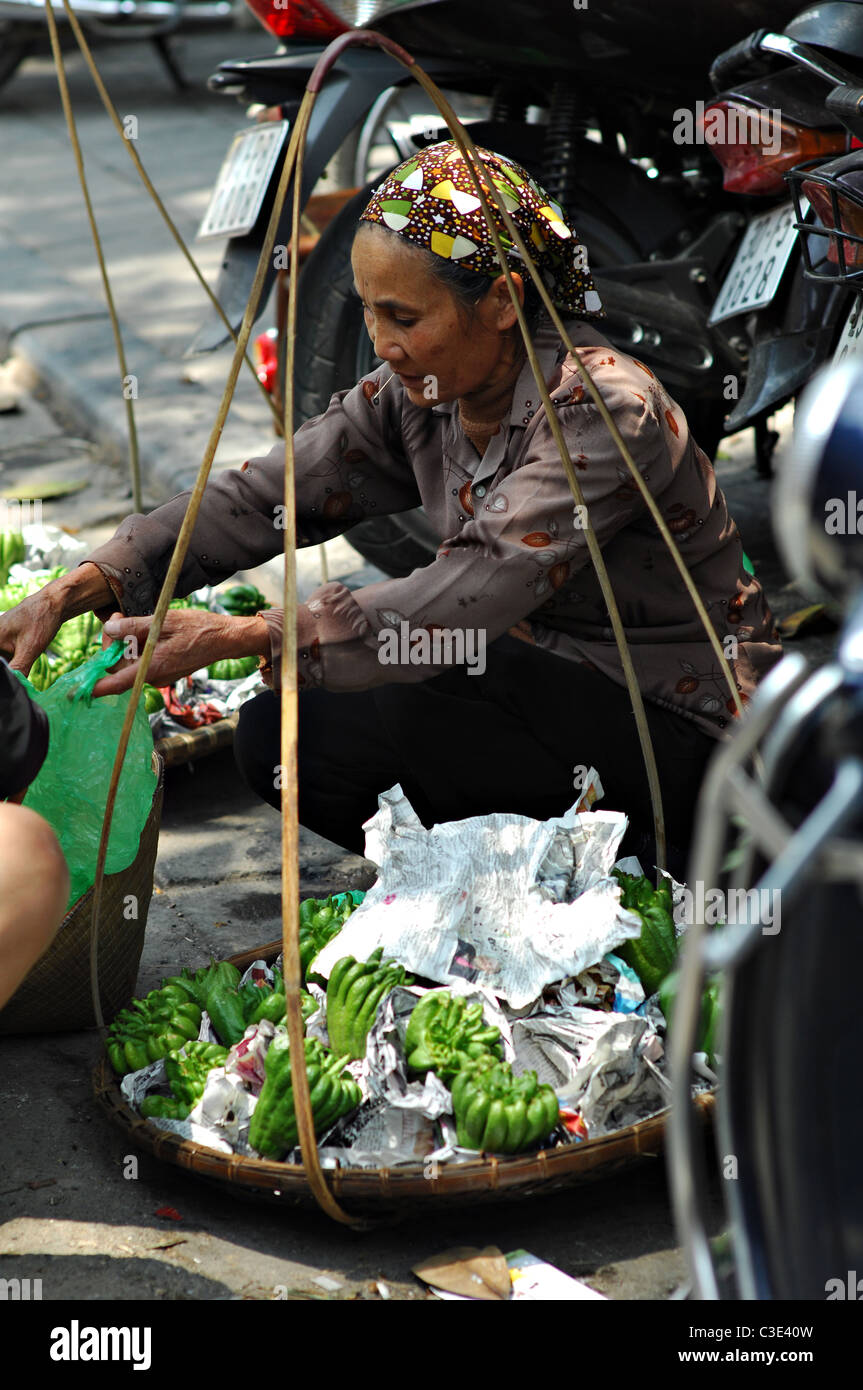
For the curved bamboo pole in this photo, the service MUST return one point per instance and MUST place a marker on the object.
(177, 557)
(145, 178)
(134, 465)
(288, 665)
(291, 968)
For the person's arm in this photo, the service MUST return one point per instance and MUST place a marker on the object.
(523, 543)
(349, 465)
(28, 628)
(34, 876)
(23, 736)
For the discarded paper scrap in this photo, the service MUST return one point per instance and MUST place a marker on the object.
(531, 1280)
(468, 1272)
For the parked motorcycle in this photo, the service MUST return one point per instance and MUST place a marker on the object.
(785, 107)
(23, 28)
(588, 105)
(789, 1118)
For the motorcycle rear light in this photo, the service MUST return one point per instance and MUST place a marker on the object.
(756, 147)
(298, 19)
(842, 220)
(312, 19)
(835, 193)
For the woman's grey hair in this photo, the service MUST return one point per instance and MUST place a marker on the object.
(468, 286)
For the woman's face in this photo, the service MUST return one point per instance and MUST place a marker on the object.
(416, 326)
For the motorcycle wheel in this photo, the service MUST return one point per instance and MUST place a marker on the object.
(333, 351)
(791, 1068)
(391, 130)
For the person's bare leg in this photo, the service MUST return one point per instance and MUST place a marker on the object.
(34, 888)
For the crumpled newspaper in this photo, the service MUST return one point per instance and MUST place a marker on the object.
(604, 1065)
(385, 1068)
(379, 1135)
(506, 902)
(220, 1120)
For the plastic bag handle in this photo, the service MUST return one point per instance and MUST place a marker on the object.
(83, 678)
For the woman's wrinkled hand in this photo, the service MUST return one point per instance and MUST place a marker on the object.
(190, 638)
(28, 628)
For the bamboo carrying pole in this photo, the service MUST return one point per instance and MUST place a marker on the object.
(291, 969)
(134, 466)
(178, 556)
(288, 750)
(145, 179)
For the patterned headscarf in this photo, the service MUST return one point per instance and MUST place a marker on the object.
(430, 200)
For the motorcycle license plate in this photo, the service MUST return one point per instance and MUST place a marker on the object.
(754, 277)
(851, 338)
(243, 180)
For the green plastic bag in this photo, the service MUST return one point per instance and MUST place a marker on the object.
(71, 789)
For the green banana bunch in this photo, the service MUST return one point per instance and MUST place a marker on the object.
(499, 1112)
(653, 954)
(354, 990)
(273, 1128)
(445, 1033)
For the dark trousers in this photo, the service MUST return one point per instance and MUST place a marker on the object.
(467, 745)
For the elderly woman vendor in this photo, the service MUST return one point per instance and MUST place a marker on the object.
(527, 690)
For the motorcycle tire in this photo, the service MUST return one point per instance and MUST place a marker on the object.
(333, 351)
(791, 1066)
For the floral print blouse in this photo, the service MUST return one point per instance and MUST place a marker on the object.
(512, 553)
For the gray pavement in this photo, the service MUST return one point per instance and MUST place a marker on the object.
(77, 1214)
(53, 307)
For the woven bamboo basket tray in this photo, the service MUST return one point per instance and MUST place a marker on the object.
(390, 1191)
(56, 995)
(197, 743)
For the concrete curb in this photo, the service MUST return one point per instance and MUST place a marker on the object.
(67, 339)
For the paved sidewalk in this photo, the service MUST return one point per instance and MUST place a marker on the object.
(53, 308)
